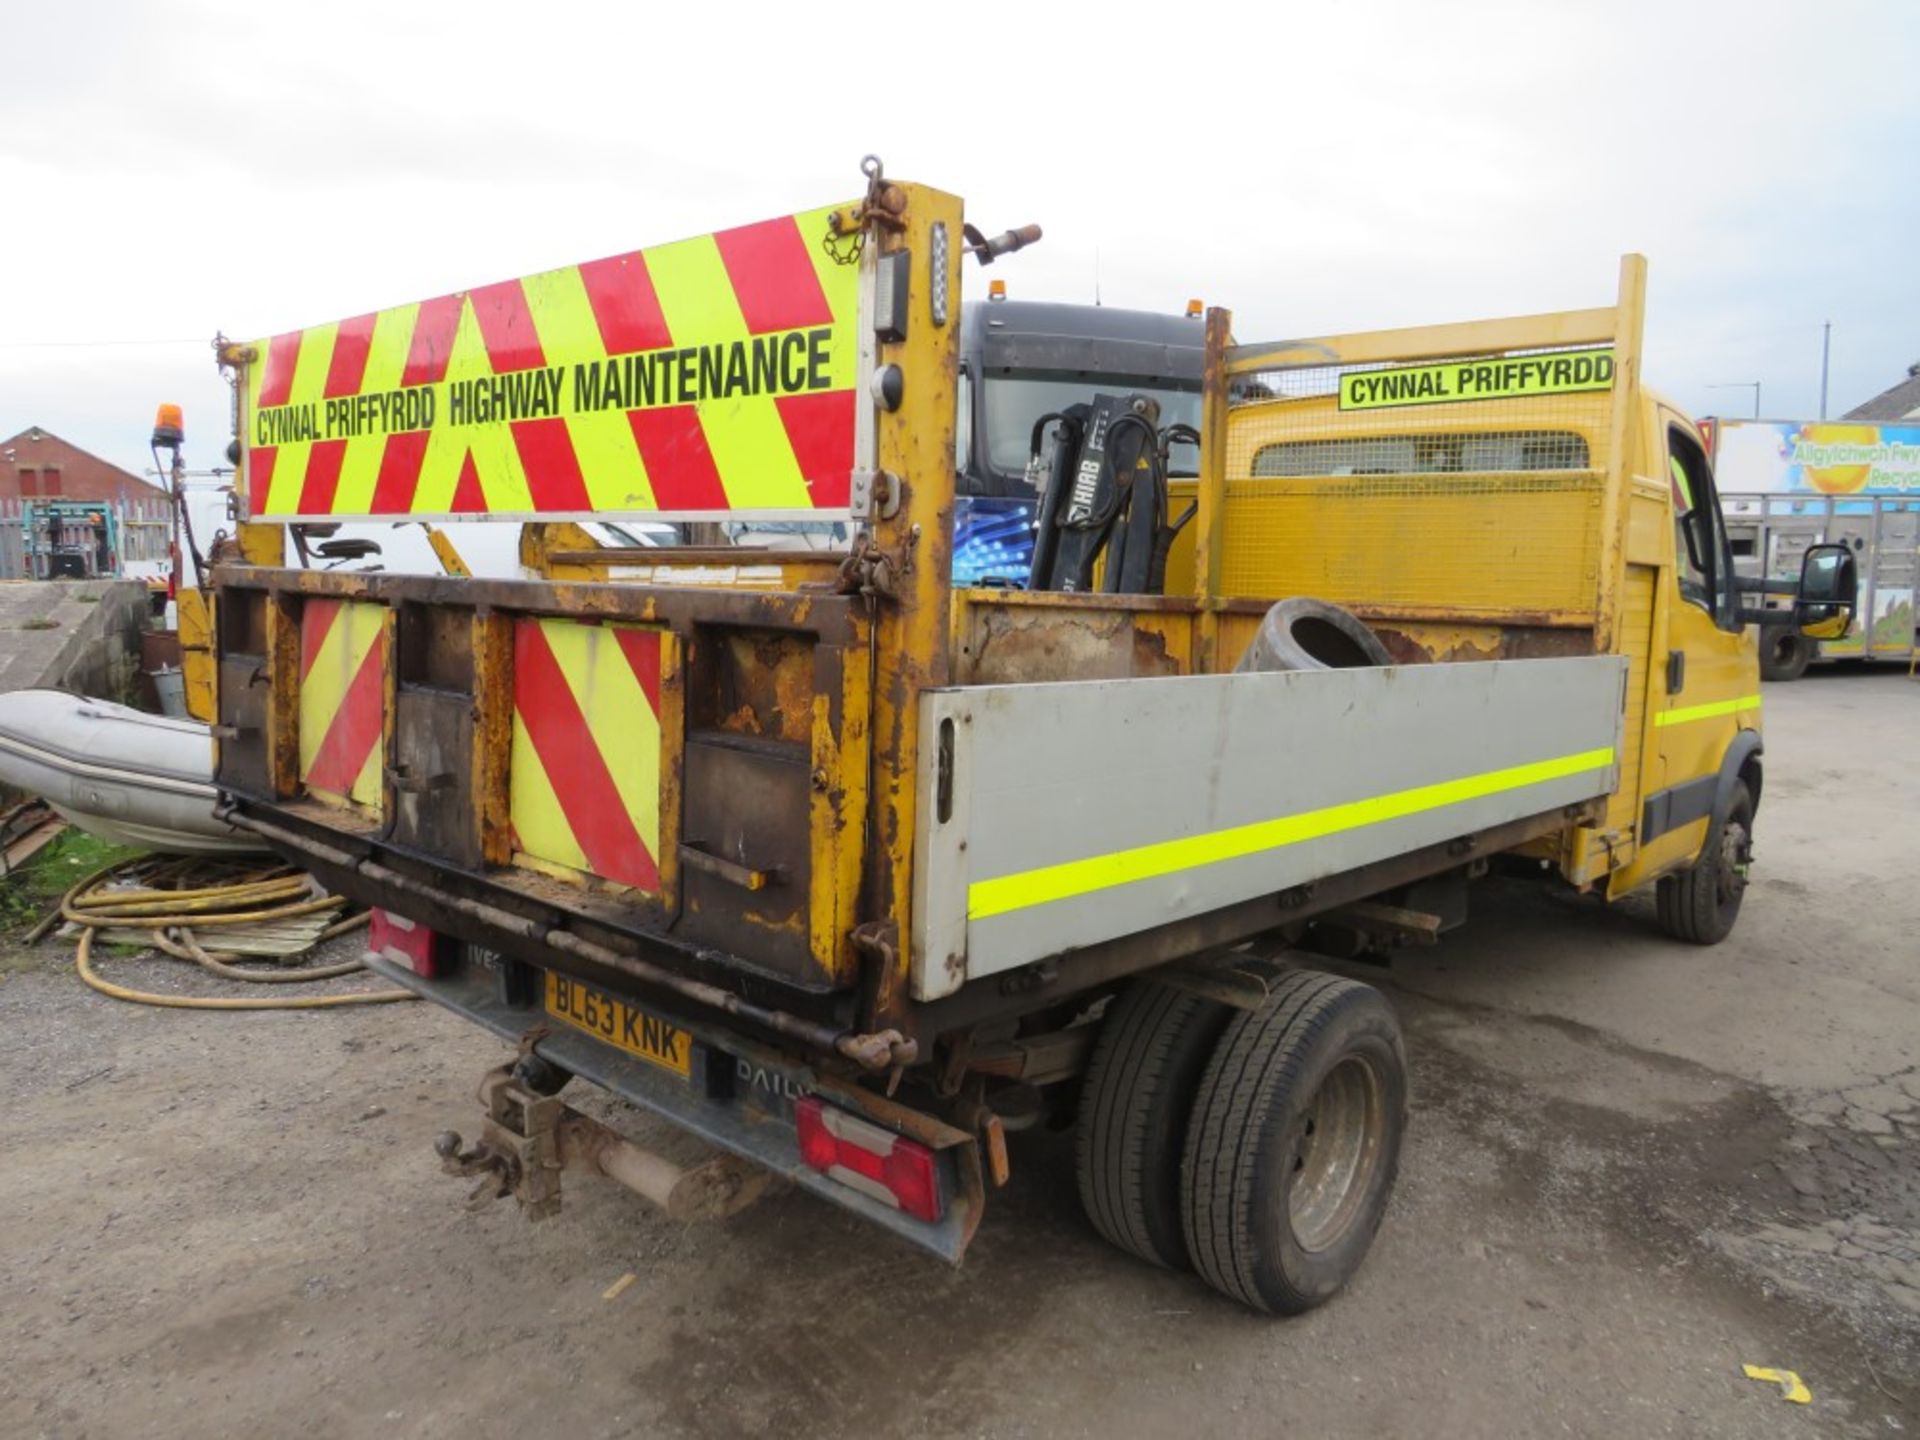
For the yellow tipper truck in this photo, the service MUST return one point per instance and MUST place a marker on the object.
(851, 872)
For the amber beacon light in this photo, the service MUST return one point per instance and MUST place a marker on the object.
(168, 428)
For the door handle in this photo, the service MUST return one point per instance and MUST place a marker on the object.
(1676, 671)
(398, 777)
(744, 876)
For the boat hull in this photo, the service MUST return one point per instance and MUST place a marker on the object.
(121, 774)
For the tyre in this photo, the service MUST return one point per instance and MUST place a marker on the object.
(1154, 1041)
(1784, 655)
(1303, 634)
(1295, 1143)
(1700, 904)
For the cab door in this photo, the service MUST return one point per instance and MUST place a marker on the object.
(1708, 689)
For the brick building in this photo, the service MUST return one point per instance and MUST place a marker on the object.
(37, 465)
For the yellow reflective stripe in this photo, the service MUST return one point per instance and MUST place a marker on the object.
(986, 898)
(1707, 711)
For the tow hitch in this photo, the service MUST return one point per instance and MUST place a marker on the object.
(528, 1139)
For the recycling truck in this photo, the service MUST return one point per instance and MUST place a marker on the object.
(1788, 484)
(852, 871)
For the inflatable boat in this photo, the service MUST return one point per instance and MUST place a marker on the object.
(119, 773)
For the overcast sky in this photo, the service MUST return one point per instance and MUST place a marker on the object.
(172, 169)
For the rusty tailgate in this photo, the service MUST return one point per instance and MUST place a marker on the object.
(682, 764)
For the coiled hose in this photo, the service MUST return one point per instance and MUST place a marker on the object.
(171, 915)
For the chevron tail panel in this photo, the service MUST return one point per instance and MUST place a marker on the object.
(706, 376)
(585, 765)
(343, 651)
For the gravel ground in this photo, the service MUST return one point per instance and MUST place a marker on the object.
(1633, 1167)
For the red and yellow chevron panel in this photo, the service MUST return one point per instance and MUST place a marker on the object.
(343, 650)
(585, 768)
(706, 376)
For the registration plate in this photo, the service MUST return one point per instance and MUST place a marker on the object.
(621, 1025)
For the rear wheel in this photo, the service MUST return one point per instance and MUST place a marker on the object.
(1154, 1041)
(1700, 904)
(1784, 655)
(1295, 1142)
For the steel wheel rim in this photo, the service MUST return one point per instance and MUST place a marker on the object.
(1335, 1151)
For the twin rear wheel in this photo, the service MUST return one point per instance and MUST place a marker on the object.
(1257, 1146)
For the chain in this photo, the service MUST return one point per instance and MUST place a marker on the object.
(845, 249)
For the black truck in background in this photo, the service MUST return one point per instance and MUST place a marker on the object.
(1022, 359)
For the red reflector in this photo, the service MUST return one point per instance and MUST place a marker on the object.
(865, 1157)
(403, 942)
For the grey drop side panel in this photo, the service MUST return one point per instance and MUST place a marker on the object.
(1080, 771)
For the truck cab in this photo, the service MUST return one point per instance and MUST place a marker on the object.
(1703, 755)
(1022, 359)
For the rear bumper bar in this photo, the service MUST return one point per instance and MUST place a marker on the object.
(364, 877)
(739, 1099)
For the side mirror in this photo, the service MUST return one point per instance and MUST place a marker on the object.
(1829, 588)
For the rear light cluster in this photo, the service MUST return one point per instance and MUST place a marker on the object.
(401, 941)
(876, 1162)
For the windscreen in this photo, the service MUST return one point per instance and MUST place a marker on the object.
(1015, 401)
